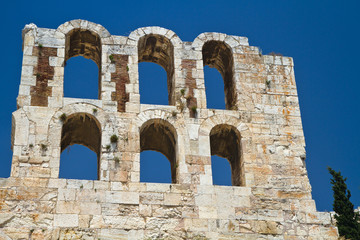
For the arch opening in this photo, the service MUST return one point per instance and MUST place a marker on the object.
(80, 42)
(225, 142)
(81, 78)
(158, 49)
(213, 82)
(78, 162)
(221, 171)
(150, 74)
(217, 54)
(159, 135)
(82, 129)
(158, 174)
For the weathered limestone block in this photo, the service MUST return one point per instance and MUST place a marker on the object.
(66, 220)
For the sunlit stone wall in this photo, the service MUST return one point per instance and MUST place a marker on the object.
(260, 133)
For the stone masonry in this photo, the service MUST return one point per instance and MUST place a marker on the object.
(260, 133)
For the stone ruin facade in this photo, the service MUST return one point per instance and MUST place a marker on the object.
(260, 133)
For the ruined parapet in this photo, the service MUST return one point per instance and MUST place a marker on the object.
(260, 133)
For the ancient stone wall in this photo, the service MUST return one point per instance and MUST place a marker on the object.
(260, 133)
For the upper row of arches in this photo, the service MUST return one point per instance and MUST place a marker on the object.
(158, 45)
(135, 35)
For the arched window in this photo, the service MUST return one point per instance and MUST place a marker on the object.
(218, 55)
(158, 49)
(80, 76)
(160, 136)
(82, 129)
(225, 143)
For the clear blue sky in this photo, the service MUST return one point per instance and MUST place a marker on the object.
(322, 37)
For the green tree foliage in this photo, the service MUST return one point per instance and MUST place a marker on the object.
(347, 220)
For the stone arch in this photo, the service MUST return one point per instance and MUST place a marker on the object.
(169, 34)
(225, 142)
(158, 45)
(228, 137)
(84, 38)
(68, 26)
(81, 128)
(75, 108)
(217, 51)
(210, 122)
(159, 135)
(178, 125)
(92, 116)
(217, 54)
(79, 42)
(83, 42)
(231, 41)
(149, 114)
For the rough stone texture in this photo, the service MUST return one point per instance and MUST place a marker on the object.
(188, 67)
(44, 72)
(260, 133)
(121, 78)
